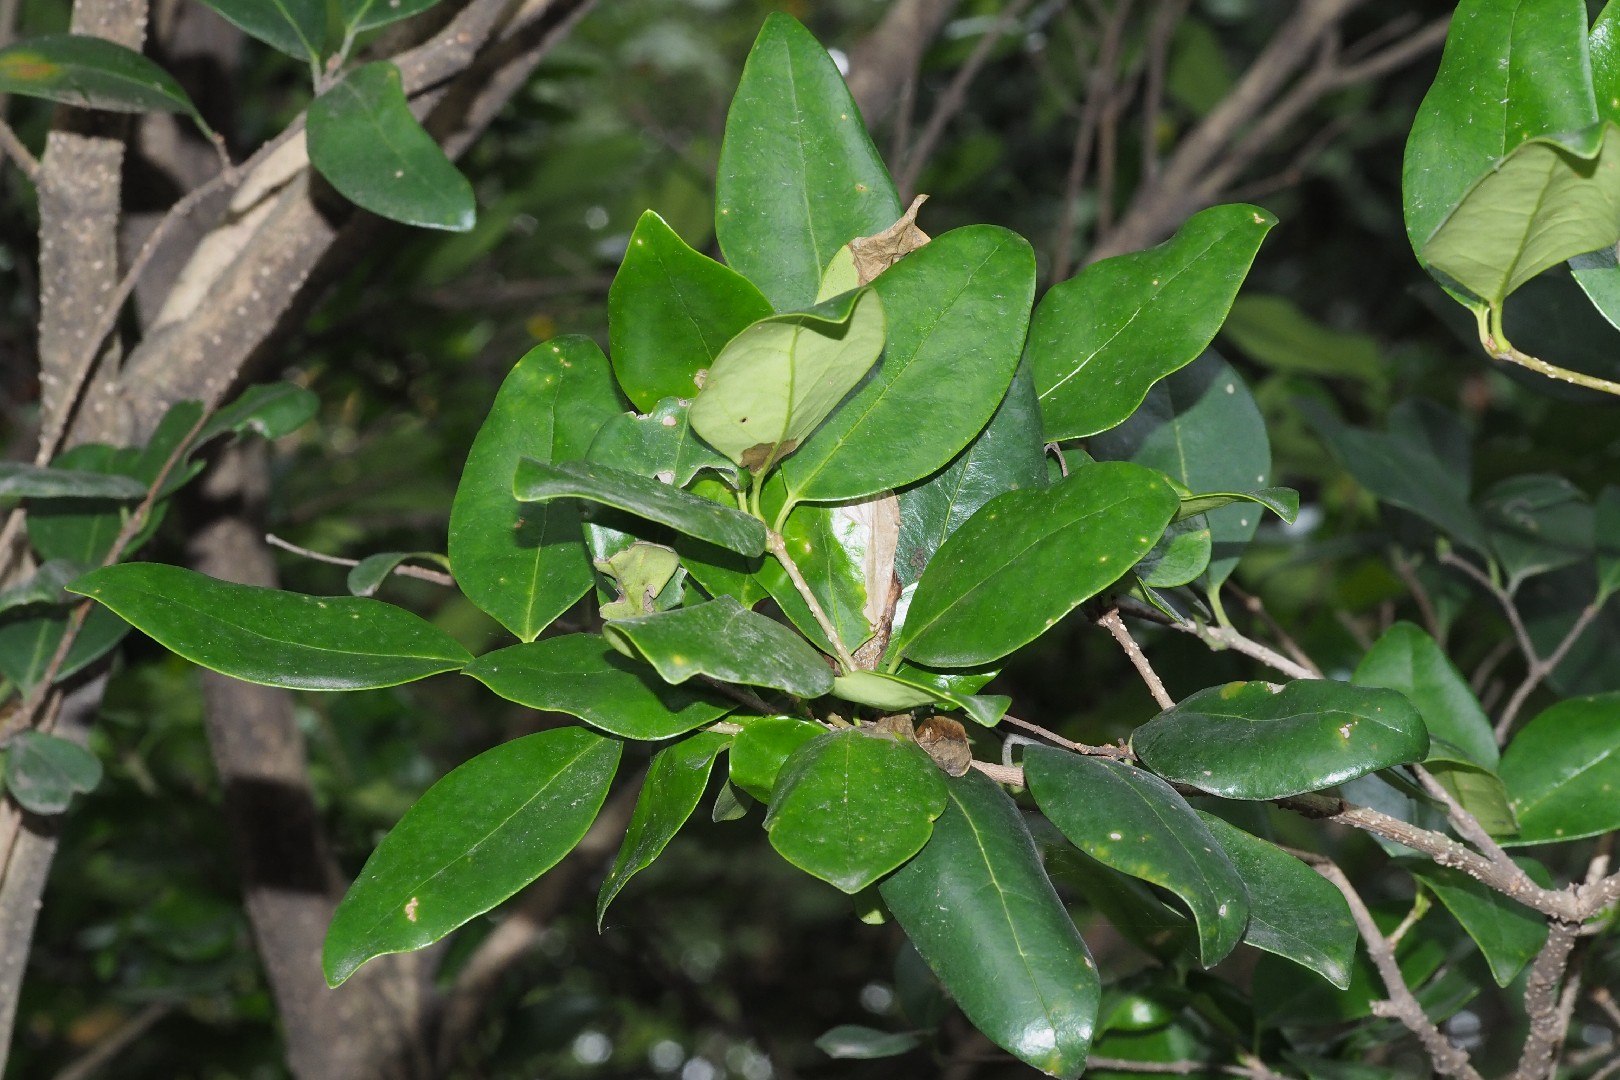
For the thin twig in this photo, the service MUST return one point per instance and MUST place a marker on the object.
(1488, 664)
(13, 148)
(1111, 622)
(1604, 999)
(1467, 825)
(1115, 752)
(1165, 20)
(1221, 637)
(116, 1042)
(1407, 570)
(778, 548)
(1257, 607)
(1098, 92)
(1402, 1004)
(951, 101)
(438, 577)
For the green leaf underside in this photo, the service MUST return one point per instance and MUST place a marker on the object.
(1562, 771)
(90, 72)
(689, 514)
(1547, 201)
(367, 576)
(798, 176)
(1242, 741)
(1006, 456)
(956, 312)
(269, 410)
(979, 907)
(723, 640)
(512, 812)
(849, 807)
(1132, 821)
(1508, 934)
(361, 15)
(1294, 912)
(675, 782)
(273, 637)
(853, 1042)
(44, 482)
(909, 689)
(44, 772)
(1098, 341)
(1284, 502)
(670, 312)
(1408, 660)
(1510, 71)
(580, 674)
(29, 639)
(776, 381)
(526, 564)
(364, 139)
(765, 743)
(1027, 558)
(296, 27)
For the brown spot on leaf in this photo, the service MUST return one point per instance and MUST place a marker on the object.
(28, 67)
(946, 742)
(763, 455)
(875, 254)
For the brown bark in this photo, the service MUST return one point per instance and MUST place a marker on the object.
(367, 1028)
(882, 62)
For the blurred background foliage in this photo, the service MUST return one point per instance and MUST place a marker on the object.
(720, 960)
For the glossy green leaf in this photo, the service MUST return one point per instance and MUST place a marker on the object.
(1535, 523)
(1293, 911)
(526, 564)
(30, 637)
(1508, 934)
(1563, 771)
(1598, 275)
(956, 311)
(92, 73)
(1135, 823)
(853, 1042)
(18, 481)
(659, 444)
(269, 410)
(487, 829)
(1408, 660)
(580, 674)
(44, 772)
(273, 637)
(1549, 200)
(1511, 71)
(1284, 502)
(798, 176)
(1200, 426)
(1603, 47)
(1006, 456)
(1242, 741)
(697, 517)
(1027, 558)
(1181, 554)
(725, 641)
(851, 806)
(368, 575)
(907, 689)
(830, 549)
(1479, 790)
(1423, 464)
(979, 907)
(775, 382)
(675, 782)
(361, 15)
(296, 27)
(670, 312)
(1100, 340)
(364, 139)
(757, 754)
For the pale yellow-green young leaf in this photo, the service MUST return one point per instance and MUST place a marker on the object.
(774, 383)
(1548, 200)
